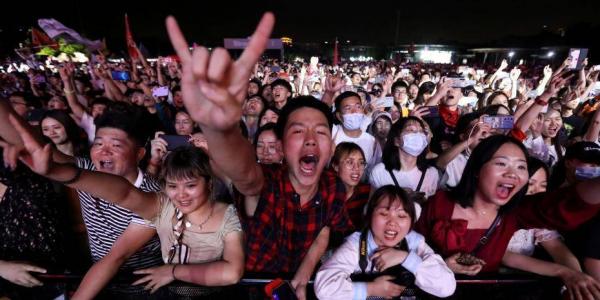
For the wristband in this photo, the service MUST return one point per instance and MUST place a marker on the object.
(69, 91)
(74, 179)
(541, 102)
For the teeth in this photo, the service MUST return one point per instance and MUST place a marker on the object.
(391, 232)
(509, 186)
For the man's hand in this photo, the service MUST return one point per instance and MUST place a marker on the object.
(300, 288)
(580, 286)
(36, 156)
(18, 273)
(213, 85)
(334, 84)
(156, 277)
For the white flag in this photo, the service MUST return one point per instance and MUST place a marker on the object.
(54, 29)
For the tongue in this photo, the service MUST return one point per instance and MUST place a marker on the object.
(502, 192)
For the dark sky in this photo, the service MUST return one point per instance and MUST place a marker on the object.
(421, 21)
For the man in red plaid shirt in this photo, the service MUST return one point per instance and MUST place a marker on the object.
(289, 210)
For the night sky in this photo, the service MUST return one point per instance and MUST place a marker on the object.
(470, 22)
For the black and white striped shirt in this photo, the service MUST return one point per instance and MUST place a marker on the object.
(105, 222)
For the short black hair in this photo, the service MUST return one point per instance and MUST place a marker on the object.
(342, 96)
(100, 100)
(126, 120)
(393, 193)
(281, 82)
(298, 103)
(267, 127)
(399, 83)
(464, 192)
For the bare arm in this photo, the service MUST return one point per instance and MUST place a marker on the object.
(214, 88)
(76, 107)
(591, 135)
(310, 261)
(227, 271)
(132, 239)
(561, 254)
(441, 90)
(159, 73)
(534, 110)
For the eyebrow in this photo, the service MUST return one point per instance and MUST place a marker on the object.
(506, 157)
(292, 124)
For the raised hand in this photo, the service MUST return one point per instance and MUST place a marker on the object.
(503, 65)
(547, 71)
(36, 156)
(554, 86)
(334, 84)
(212, 84)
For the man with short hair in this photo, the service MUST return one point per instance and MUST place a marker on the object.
(289, 209)
(113, 232)
(281, 91)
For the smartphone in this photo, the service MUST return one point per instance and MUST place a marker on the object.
(577, 56)
(120, 75)
(383, 102)
(499, 122)
(275, 69)
(174, 141)
(434, 111)
(464, 101)
(279, 289)
(462, 82)
(405, 72)
(160, 91)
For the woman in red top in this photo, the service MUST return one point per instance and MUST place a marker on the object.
(494, 180)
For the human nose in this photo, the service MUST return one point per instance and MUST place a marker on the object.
(310, 138)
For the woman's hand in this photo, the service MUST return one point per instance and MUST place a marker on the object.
(18, 273)
(580, 286)
(156, 277)
(158, 148)
(36, 156)
(383, 287)
(388, 257)
(462, 269)
(213, 85)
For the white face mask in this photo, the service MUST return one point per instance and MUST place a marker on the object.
(414, 143)
(353, 121)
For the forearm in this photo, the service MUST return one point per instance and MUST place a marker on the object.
(218, 273)
(435, 99)
(591, 135)
(561, 254)
(314, 254)
(97, 277)
(115, 93)
(231, 153)
(328, 98)
(159, 75)
(75, 106)
(445, 158)
(525, 120)
(530, 264)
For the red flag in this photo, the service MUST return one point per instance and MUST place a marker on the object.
(335, 53)
(129, 40)
(39, 39)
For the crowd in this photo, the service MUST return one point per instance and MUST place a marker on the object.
(375, 179)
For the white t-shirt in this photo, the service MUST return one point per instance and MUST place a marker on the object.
(538, 148)
(365, 141)
(453, 172)
(406, 179)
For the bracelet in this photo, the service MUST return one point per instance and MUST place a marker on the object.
(173, 271)
(75, 178)
(69, 91)
(541, 102)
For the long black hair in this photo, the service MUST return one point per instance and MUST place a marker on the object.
(390, 156)
(464, 192)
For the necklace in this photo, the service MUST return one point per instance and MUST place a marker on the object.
(189, 224)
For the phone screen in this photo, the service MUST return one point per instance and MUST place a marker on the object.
(160, 91)
(499, 122)
(120, 75)
(175, 141)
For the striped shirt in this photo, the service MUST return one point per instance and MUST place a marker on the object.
(105, 222)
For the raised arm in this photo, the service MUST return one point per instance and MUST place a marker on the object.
(593, 131)
(113, 188)
(214, 87)
(441, 90)
(533, 111)
(66, 74)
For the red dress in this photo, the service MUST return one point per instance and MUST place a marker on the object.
(560, 210)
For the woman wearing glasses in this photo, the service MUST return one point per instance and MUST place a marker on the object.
(349, 164)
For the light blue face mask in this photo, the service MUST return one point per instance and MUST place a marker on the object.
(414, 143)
(584, 173)
(353, 121)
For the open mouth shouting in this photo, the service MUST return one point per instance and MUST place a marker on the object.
(308, 164)
(504, 190)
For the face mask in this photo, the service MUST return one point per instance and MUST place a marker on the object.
(414, 143)
(353, 121)
(584, 173)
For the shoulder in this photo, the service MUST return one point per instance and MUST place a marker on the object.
(414, 239)
(378, 169)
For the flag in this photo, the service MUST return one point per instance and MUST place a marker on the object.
(335, 53)
(129, 40)
(40, 39)
(56, 29)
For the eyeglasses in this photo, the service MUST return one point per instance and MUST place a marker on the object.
(270, 148)
(350, 164)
